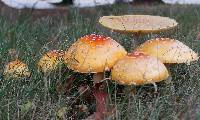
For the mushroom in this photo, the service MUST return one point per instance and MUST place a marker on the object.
(138, 69)
(168, 50)
(94, 54)
(16, 69)
(49, 62)
(137, 24)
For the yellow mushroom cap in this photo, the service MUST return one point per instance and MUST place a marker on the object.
(168, 50)
(143, 24)
(50, 61)
(93, 53)
(16, 69)
(138, 69)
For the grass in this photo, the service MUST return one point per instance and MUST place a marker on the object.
(24, 98)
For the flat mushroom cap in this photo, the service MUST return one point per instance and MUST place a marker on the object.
(93, 53)
(168, 50)
(138, 69)
(142, 24)
(16, 69)
(50, 61)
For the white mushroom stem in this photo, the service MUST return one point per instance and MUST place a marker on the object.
(155, 87)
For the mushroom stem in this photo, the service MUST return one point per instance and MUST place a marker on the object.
(98, 77)
(100, 95)
(155, 87)
(101, 98)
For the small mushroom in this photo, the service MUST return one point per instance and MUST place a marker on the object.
(50, 61)
(138, 69)
(137, 24)
(94, 54)
(16, 69)
(168, 50)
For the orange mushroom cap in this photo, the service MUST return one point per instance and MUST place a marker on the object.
(143, 24)
(50, 61)
(16, 69)
(93, 53)
(168, 50)
(138, 69)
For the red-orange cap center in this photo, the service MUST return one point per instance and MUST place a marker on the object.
(95, 40)
(136, 54)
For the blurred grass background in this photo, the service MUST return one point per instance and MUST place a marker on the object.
(24, 98)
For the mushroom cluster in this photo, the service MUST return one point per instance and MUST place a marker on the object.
(98, 53)
(146, 63)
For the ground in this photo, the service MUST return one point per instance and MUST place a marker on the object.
(24, 98)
